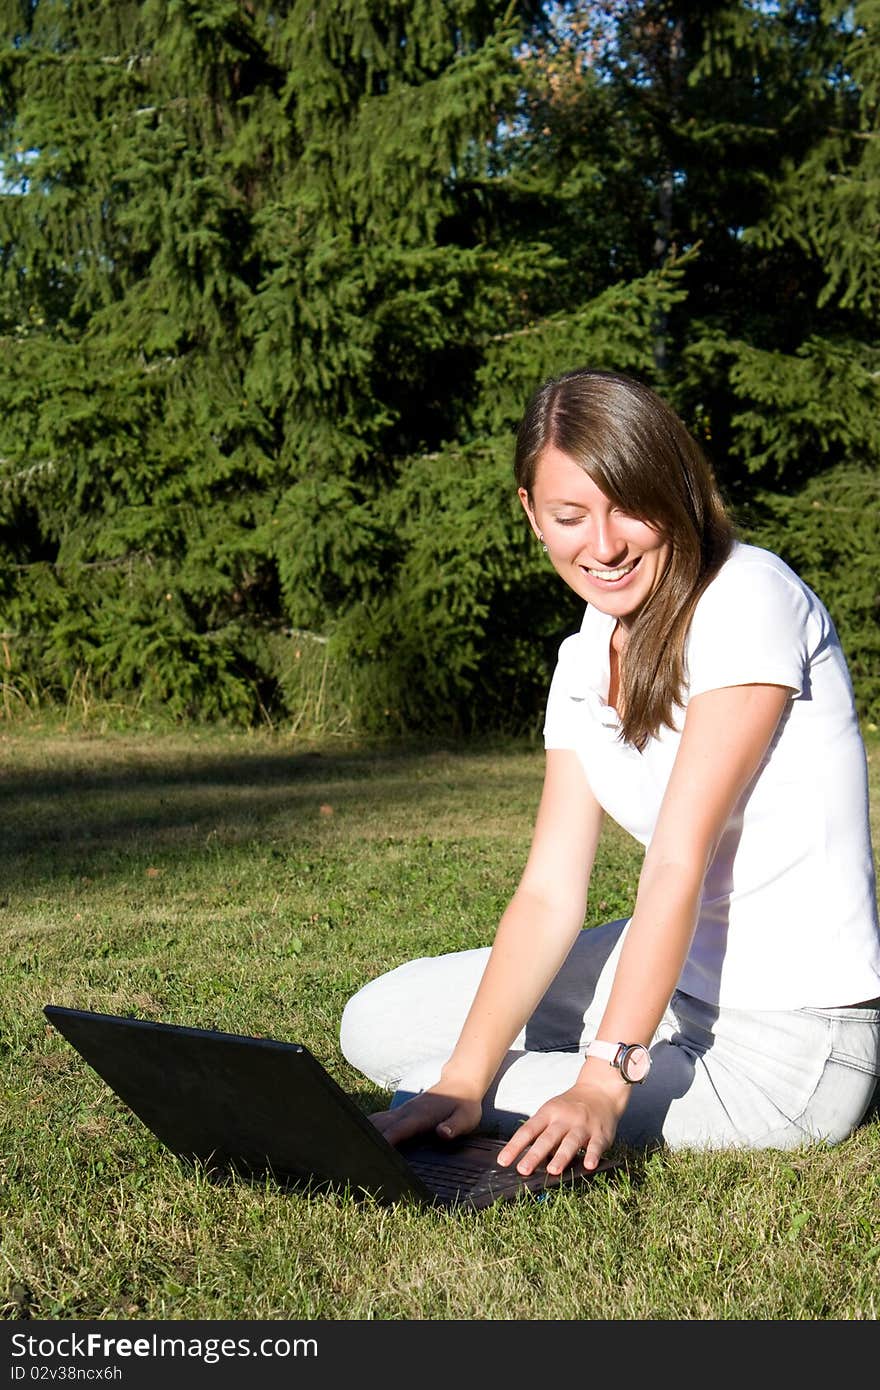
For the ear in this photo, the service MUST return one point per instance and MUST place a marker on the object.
(522, 494)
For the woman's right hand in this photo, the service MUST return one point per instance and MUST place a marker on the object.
(436, 1109)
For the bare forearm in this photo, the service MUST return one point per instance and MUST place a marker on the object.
(726, 734)
(532, 941)
(653, 952)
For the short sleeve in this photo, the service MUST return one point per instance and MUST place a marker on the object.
(751, 626)
(564, 715)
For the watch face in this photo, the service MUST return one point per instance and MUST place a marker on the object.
(635, 1063)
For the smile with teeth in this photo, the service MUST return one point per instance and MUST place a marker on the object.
(610, 575)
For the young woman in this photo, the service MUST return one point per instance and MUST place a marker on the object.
(706, 706)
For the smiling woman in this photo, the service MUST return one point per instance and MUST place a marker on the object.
(611, 559)
(706, 706)
(624, 500)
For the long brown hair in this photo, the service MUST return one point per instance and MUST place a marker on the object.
(638, 451)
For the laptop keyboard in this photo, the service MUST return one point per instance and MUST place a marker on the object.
(470, 1169)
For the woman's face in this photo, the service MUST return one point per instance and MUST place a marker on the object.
(612, 560)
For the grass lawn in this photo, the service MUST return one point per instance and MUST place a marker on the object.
(252, 883)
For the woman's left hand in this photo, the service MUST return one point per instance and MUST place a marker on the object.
(583, 1120)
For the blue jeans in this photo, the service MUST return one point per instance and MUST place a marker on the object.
(720, 1077)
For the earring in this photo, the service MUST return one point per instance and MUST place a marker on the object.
(545, 547)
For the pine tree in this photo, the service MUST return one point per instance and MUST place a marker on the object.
(233, 294)
(803, 381)
(252, 265)
(742, 139)
(276, 281)
(132, 463)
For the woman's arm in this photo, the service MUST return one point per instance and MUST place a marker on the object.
(725, 736)
(533, 939)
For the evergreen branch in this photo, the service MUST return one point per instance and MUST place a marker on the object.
(116, 563)
(78, 59)
(854, 134)
(303, 632)
(519, 332)
(168, 360)
(175, 104)
(129, 59)
(44, 466)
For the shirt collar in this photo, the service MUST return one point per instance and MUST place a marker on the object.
(591, 670)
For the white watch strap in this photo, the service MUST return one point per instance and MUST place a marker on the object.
(606, 1050)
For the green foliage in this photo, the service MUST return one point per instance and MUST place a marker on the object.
(616, 326)
(276, 281)
(793, 414)
(446, 640)
(224, 294)
(828, 533)
(828, 200)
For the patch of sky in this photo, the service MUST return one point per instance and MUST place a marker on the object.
(14, 171)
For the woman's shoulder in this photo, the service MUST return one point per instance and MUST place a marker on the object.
(756, 621)
(753, 561)
(752, 575)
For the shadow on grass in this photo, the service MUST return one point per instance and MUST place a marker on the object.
(172, 803)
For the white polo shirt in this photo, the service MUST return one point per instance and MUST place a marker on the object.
(788, 916)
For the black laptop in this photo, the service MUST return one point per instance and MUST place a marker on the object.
(256, 1106)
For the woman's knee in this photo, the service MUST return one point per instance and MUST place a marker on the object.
(366, 1031)
(409, 1014)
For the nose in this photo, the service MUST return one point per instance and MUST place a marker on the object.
(605, 542)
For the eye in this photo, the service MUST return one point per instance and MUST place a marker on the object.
(567, 520)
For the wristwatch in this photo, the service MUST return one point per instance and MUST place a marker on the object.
(632, 1060)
